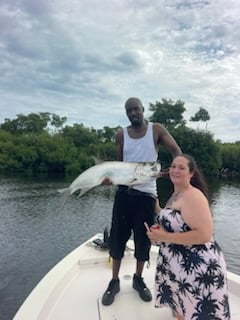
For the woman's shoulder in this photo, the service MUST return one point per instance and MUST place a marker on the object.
(193, 195)
(195, 190)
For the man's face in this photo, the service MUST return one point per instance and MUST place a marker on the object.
(134, 113)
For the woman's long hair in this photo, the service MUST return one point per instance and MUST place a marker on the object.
(197, 179)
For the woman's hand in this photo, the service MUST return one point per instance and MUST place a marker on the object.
(156, 233)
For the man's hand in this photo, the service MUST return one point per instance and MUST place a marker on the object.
(107, 181)
(164, 174)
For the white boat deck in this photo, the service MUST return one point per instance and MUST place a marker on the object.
(72, 290)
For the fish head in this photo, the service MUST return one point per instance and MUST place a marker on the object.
(155, 169)
(148, 170)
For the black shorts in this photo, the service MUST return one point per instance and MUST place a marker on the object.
(130, 211)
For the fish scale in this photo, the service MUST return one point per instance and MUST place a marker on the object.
(120, 173)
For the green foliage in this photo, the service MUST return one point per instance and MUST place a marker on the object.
(8, 163)
(32, 123)
(57, 121)
(106, 134)
(168, 113)
(27, 144)
(70, 151)
(79, 135)
(201, 115)
(26, 124)
(230, 154)
(201, 145)
(106, 151)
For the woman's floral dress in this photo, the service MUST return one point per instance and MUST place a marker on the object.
(190, 279)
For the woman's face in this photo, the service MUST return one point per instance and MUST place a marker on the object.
(179, 171)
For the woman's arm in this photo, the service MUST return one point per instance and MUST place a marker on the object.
(197, 215)
(157, 206)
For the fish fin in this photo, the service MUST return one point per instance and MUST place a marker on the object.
(84, 190)
(97, 160)
(130, 182)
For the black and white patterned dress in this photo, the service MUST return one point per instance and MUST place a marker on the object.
(190, 279)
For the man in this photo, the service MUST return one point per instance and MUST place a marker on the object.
(138, 142)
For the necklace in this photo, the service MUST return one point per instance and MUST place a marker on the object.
(175, 196)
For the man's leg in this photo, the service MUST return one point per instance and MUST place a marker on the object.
(139, 284)
(115, 268)
(117, 243)
(144, 213)
(114, 285)
(139, 268)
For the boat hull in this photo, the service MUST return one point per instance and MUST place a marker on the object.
(74, 287)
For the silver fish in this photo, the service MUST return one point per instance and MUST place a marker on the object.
(120, 173)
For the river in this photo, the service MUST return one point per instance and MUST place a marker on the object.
(35, 233)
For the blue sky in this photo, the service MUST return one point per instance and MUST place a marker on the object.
(83, 58)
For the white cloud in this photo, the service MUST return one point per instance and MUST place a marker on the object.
(83, 59)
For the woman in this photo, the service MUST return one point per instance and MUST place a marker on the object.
(191, 271)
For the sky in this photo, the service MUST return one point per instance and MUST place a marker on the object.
(82, 59)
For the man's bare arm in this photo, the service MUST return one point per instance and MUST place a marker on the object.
(119, 144)
(164, 138)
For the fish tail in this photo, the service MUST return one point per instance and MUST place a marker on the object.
(62, 190)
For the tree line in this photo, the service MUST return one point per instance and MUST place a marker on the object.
(42, 143)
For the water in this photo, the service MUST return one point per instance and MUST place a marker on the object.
(35, 234)
(226, 204)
